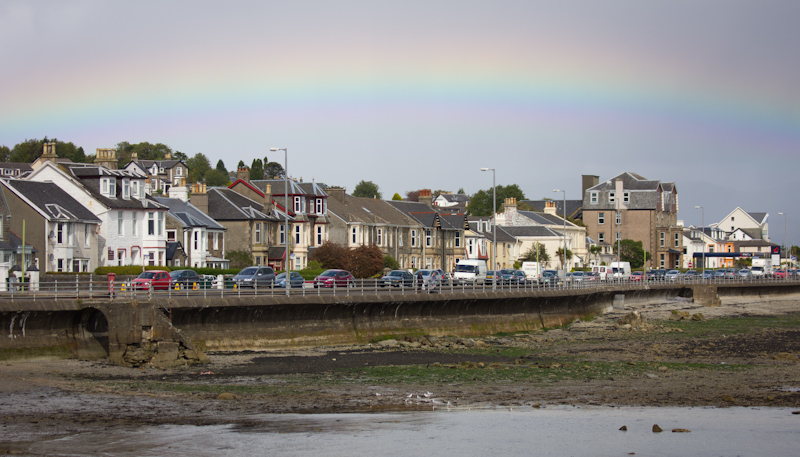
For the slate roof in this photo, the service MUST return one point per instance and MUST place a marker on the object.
(643, 193)
(89, 176)
(187, 214)
(502, 235)
(530, 230)
(545, 218)
(574, 207)
(295, 188)
(454, 198)
(227, 205)
(428, 217)
(758, 217)
(15, 169)
(172, 248)
(368, 211)
(52, 201)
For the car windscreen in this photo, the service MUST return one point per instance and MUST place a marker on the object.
(466, 268)
(328, 273)
(147, 275)
(248, 271)
(506, 272)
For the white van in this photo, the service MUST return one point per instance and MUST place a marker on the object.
(532, 270)
(615, 271)
(470, 271)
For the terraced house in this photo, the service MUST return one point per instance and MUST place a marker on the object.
(629, 206)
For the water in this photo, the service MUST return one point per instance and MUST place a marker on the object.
(543, 432)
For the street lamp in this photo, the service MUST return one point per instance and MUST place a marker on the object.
(287, 281)
(494, 228)
(703, 238)
(564, 262)
(785, 237)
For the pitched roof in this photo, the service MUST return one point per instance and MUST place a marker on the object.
(89, 176)
(187, 214)
(227, 205)
(545, 218)
(574, 207)
(51, 201)
(368, 211)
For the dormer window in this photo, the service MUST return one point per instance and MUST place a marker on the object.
(178, 171)
(126, 188)
(626, 197)
(135, 188)
(593, 198)
(108, 187)
(612, 197)
(320, 206)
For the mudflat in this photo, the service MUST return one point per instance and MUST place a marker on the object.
(744, 353)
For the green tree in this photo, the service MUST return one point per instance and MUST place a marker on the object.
(397, 196)
(595, 250)
(241, 165)
(560, 255)
(480, 204)
(144, 151)
(257, 169)
(217, 178)
(530, 254)
(198, 167)
(30, 150)
(631, 251)
(5, 153)
(221, 166)
(367, 189)
(390, 262)
(273, 170)
(239, 259)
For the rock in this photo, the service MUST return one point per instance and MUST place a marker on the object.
(663, 368)
(624, 428)
(634, 319)
(680, 430)
(784, 356)
(226, 396)
(698, 317)
(728, 398)
(657, 429)
(390, 343)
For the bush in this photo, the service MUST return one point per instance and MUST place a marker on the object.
(390, 262)
(332, 255)
(366, 261)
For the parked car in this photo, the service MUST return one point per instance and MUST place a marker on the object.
(709, 274)
(730, 273)
(490, 275)
(780, 274)
(672, 275)
(637, 276)
(507, 276)
(656, 275)
(719, 274)
(397, 278)
(691, 275)
(590, 276)
(157, 279)
(549, 277)
(427, 280)
(185, 279)
(744, 273)
(296, 280)
(578, 276)
(522, 278)
(335, 278)
(256, 276)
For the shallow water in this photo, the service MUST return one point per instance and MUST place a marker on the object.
(543, 432)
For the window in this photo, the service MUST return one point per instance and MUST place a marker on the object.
(86, 235)
(60, 232)
(282, 234)
(151, 227)
(601, 218)
(178, 171)
(298, 204)
(458, 239)
(612, 197)
(297, 232)
(134, 224)
(108, 187)
(126, 188)
(196, 236)
(601, 237)
(379, 237)
(160, 224)
(257, 233)
(320, 206)
(400, 239)
(593, 197)
(626, 197)
(619, 217)
(662, 238)
(677, 240)
(618, 236)
(355, 235)
(319, 235)
(428, 238)
(120, 223)
(135, 189)
(60, 265)
(216, 239)
(413, 238)
(661, 261)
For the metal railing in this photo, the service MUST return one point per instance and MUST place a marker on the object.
(95, 288)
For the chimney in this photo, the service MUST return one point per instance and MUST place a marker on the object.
(425, 197)
(243, 173)
(167, 156)
(199, 197)
(106, 157)
(268, 199)
(336, 192)
(587, 182)
(510, 210)
(550, 207)
(134, 156)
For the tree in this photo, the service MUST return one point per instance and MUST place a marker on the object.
(390, 262)
(217, 177)
(5, 153)
(367, 189)
(241, 165)
(480, 204)
(560, 255)
(595, 250)
(366, 261)
(273, 170)
(397, 196)
(198, 166)
(30, 150)
(631, 251)
(144, 151)
(461, 191)
(221, 166)
(530, 255)
(257, 169)
(412, 196)
(239, 259)
(331, 255)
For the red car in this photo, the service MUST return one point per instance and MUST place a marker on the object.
(637, 276)
(157, 279)
(780, 274)
(341, 278)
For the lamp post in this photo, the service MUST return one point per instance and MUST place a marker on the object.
(785, 238)
(287, 281)
(702, 238)
(564, 262)
(494, 228)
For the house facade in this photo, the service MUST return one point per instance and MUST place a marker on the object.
(629, 206)
(201, 237)
(441, 237)
(160, 175)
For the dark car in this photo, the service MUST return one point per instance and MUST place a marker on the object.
(549, 277)
(521, 277)
(157, 279)
(335, 278)
(507, 276)
(656, 275)
(296, 282)
(397, 278)
(256, 276)
(185, 279)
